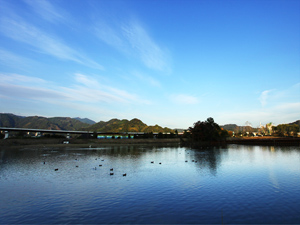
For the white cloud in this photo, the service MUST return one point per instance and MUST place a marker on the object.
(147, 50)
(17, 78)
(280, 113)
(27, 92)
(132, 39)
(89, 88)
(264, 97)
(23, 32)
(85, 80)
(184, 99)
(279, 106)
(85, 90)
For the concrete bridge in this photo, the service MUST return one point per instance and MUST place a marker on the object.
(67, 132)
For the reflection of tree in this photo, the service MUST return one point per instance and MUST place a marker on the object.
(209, 158)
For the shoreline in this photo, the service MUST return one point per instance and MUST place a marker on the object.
(58, 142)
(266, 141)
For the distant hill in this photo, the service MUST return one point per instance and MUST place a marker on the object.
(67, 123)
(134, 125)
(38, 122)
(230, 127)
(180, 130)
(85, 120)
(9, 120)
(296, 122)
(236, 128)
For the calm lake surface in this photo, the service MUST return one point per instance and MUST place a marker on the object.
(237, 184)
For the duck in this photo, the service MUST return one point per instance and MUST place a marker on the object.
(111, 174)
(55, 169)
(124, 174)
(112, 169)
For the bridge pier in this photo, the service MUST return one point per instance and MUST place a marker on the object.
(6, 133)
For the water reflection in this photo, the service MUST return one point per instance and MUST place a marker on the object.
(249, 184)
(208, 159)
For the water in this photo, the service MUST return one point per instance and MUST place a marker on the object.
(239, 184)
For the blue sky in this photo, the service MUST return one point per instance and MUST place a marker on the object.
(169, 62)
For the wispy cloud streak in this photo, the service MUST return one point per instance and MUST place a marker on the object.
(133, 39)
(17, 78)
(21, 31)
(264, 97)
(85, 90)
(147, 50)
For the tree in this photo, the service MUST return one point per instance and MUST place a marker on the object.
(95, 135)
(205, 131)
(172, 135)
(160, 135)
(230, 133)
(224, 134)
(176, 133)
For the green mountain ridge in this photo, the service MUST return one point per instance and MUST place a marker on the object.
(134, 125)
(113, 125)
(67, 123)
(296, 122)
(38, 122)
(85, 120)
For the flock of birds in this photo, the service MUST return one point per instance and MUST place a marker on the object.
(112, 169)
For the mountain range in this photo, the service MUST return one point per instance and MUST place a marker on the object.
(234, 127)
(113, 125)
(67, 123)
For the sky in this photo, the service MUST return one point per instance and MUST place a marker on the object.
(167, 62)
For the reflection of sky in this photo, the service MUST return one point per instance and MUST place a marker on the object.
(239, 180)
